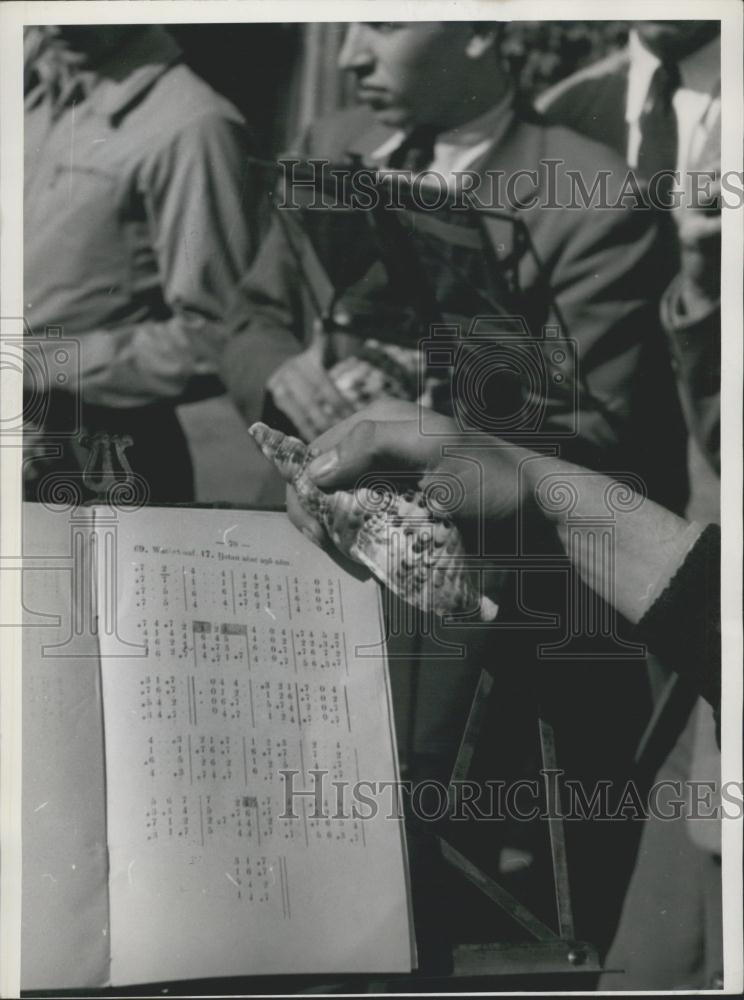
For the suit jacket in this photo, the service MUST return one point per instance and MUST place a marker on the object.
(598, 277)
(592, 102)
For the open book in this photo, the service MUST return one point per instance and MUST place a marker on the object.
(188, 674)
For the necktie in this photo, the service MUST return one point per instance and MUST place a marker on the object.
(658, 126)
(416, 151)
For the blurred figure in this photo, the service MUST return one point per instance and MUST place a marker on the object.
(654, 102)
(138, 224)
(658, 102)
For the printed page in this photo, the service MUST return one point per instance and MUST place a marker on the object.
(252, 666)
(65, 931)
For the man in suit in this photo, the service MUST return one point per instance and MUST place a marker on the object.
(654, 102)
(435, 97)
(657, 103)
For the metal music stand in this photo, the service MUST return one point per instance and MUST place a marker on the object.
(550, 951)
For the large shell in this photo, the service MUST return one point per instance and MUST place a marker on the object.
(413, 551)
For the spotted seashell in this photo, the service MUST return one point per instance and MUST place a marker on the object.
(418, 554)
(360, 382)
(377, 371)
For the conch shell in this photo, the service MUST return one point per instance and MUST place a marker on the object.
(414, 551)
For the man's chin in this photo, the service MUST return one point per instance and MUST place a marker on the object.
(392, 117)
(392, 120)
(387, 114)
(675, 40)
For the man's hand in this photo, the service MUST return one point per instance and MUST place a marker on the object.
(303, 391)
(386, 438)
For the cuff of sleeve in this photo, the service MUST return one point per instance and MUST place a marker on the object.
(683, 625)
(682, 548)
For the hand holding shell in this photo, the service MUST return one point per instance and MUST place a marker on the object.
(414, 551)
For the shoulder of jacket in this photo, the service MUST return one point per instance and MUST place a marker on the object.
(190, 98)
(611, 65)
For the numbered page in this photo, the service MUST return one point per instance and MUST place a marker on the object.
(248, 728)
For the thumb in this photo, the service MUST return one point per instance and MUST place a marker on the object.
(371, 445)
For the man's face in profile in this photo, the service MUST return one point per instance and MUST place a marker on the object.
(676, 39)
(408, 72)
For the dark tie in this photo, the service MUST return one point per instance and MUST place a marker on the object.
(658, 126)
(416, 151)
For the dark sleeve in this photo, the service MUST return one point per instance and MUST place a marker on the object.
(605, 289)
(683, 626)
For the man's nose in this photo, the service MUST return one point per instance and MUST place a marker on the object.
(356, 53)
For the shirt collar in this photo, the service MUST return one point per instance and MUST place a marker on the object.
(699, 72)
(486, 128)
(125, 76)
(119, 82)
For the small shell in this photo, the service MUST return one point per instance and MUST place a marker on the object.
(378, 371)
(418, 555)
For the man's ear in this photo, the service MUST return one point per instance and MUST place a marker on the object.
(482, 40)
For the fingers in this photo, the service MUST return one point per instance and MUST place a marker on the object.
(376, 412)
(327, 395)
(380, 446)
(391, 409)
(302, 410)
(304, 392)
(438, 428)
